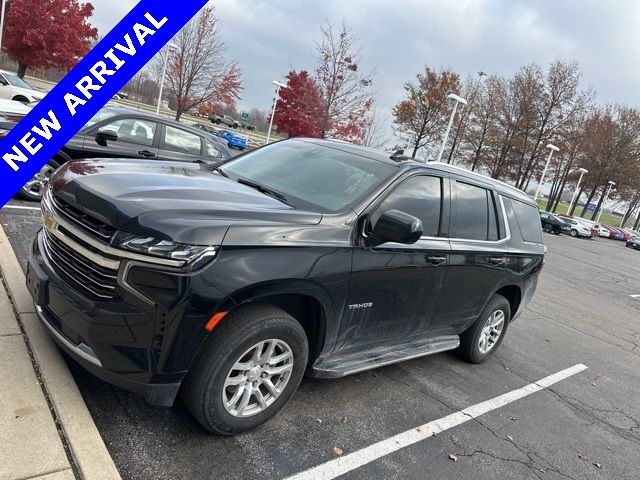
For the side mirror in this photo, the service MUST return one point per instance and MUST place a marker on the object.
(396, 226)
(104, 136)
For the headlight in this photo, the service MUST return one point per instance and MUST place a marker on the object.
(163, 248)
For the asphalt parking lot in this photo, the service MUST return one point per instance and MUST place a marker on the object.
(585, 426)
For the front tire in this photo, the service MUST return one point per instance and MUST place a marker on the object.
(484, 337)
(247, 370)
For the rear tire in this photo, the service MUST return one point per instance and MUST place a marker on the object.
(487, 327)
(574, 233)
(232, 348)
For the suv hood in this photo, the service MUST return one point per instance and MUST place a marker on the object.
(183, 202)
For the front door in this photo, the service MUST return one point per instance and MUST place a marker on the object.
(393, 286)
(136, 139)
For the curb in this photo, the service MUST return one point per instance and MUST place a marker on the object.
(85, 443)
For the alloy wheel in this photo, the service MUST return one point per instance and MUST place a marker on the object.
(491, 332)
(257, 378)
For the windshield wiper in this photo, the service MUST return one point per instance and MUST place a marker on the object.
(265, 190)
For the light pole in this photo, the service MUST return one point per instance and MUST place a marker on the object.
(4, 7)
(275, 102)
(552, 148)
(457, 100)
(170, 48)
(574, 198)
(604, 200)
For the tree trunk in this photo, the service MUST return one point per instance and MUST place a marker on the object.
(575, 204)
(563, 184)
(599, 205)
(635, 225)
(22, 70)
(591, 195)
(179, 114)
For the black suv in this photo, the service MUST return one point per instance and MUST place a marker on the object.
(116, 132)
(302, 256)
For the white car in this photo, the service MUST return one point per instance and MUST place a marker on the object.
(578, 228)
(11, 106)
(13, 87)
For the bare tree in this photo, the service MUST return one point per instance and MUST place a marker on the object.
(197, 71)
(374, 135)
(419, 119)
(344, 89)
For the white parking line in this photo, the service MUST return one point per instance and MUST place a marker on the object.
(340, 466)
(634, 296)
(20, 207)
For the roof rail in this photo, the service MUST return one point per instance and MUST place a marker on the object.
(477, 173)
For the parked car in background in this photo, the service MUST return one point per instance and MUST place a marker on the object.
(302, 256)
(634, 243)
(12, 87)
(13, 106)
(551, 223)
(226, 120)
(206, 128)
(248, 126)
(627, 234)
(616, 233)
(577, 228)
(604, 231)
(595, 227)
(234, 140)
(122, 133)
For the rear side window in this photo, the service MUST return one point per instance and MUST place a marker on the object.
(528, 221)
(178, 140)
(473, 219)
(420, 196)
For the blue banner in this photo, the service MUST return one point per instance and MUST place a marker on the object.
(88, 87)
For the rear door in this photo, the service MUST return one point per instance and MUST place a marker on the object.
(180, 145)
(394, 286)
(478, 236)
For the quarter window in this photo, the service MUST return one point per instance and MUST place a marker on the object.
(528, 222)
(420, 196)
(212, 151)
(180, 141)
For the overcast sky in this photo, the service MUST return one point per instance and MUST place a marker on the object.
(269, 37)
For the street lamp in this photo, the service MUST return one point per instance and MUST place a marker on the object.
(171, 47)
(606, 196)
(275, 102)
(574, 198)
(552, 148)
(457, 100)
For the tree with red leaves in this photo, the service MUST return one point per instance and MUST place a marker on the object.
(344, 88)
(48, 33)
(197, 72)
(300, 109)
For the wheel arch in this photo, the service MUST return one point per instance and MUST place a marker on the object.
(513, 294)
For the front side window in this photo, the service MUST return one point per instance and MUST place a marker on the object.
(180, 141)
(420, 196)
(133, 130)
(311, 175)
(470, 209)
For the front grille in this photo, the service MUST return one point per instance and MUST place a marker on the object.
(86, 222)
(95, 280)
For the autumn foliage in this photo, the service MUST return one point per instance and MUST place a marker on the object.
(48, 33)
(299, 112)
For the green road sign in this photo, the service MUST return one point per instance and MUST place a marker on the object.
(245, 117)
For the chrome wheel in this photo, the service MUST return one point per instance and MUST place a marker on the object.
(36, 185)
(491, 331)
(257, 378)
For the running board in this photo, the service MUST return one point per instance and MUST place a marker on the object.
(348, 364)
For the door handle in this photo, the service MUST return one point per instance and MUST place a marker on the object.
(146, 153)
(497, 261)
(436, 260)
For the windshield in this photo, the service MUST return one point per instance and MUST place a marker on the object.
(305, 173)
(103, 114)
(16, 81)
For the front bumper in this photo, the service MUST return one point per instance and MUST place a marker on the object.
(142, 345)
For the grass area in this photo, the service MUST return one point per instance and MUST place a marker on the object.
(605, 218)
